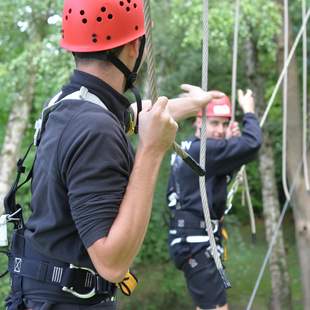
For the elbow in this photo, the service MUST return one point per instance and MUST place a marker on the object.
(113, 275)
(256, 144)
(110, 267)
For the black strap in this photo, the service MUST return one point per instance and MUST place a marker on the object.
(10, 205)
(139, 105)
(60, 275)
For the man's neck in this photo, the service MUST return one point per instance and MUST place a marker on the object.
(107, 73)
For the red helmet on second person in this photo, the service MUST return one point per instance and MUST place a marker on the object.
(218, 108)
(99, 25)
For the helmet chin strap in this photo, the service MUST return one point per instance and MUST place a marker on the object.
(131, 76)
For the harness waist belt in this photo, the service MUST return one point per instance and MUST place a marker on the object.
(79, 281)
(189, 221)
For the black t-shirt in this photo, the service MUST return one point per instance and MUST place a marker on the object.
(81, 172)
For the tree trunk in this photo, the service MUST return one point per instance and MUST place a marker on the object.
(280, 282)
(16, 127)
(301, 198)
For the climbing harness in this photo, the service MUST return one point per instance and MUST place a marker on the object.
(25, 262)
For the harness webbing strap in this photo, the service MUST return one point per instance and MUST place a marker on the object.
(79, 281)
(82, 94)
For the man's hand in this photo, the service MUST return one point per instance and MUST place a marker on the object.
(246, 101)
(157, 129)
(199, 96)
(233, 130)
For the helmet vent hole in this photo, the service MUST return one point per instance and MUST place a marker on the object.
(128, 1)
(95, 40)
(84, 20)
(109, 38)
(121, 3)
(103, 9)
(128, 9)
(135, 5)
(82, 12)
(110, 16)
(70, 11)
(137, 28)
(99, 19)
(66, 17)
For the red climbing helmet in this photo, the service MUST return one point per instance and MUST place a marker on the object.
(99, 25)
(218, 108)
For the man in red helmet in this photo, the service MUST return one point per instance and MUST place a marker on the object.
(227, 150)
(91, 198)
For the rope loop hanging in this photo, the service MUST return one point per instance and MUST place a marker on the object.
(203, 146)
(305, 101)
(233, 100)
(284, 100)
(235, 60)
(270, 103)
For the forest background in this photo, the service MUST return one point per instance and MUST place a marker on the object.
(33, 68)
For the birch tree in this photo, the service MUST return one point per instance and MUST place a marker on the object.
(27, 41)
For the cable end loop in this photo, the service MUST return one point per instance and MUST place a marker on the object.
(190, 161)
(227, 284)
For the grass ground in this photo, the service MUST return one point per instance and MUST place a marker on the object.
(162, 287)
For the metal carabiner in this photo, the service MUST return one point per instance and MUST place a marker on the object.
(71, 290)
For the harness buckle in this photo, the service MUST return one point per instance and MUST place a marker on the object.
(87, 295)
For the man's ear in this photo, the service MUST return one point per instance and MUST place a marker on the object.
(134, 48)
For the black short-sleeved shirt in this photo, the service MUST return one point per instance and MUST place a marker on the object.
(82, 168)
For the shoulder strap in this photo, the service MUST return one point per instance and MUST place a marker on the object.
(82, 94)
(12, 209)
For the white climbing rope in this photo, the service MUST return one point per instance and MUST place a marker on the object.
(271, 101)
(203, 146)
(235, 60)
(305, 101)
(284, 105)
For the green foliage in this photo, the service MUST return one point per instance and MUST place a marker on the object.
(29, 40)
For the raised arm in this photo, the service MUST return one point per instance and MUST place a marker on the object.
(187, 104)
